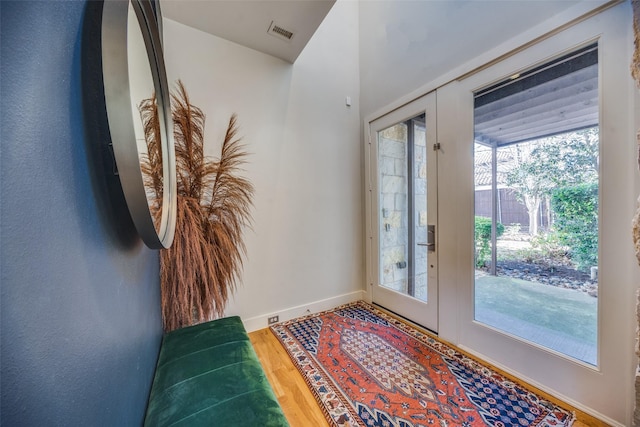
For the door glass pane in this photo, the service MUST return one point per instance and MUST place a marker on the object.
(421, 238)
(403, 207)
(536, 157)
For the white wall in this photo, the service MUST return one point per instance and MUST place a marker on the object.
(306, 242)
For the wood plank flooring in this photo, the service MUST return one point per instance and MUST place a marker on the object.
(297, 401)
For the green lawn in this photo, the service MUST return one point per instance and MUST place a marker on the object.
(567, 311)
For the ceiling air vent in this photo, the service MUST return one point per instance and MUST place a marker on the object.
(279, 32)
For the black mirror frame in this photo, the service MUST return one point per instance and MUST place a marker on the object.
(120, 116)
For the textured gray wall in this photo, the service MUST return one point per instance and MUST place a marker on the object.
(80, 312)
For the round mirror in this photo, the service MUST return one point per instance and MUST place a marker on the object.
(138, 109)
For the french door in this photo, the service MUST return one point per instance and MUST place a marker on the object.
(544, 130)
(402, 167)
(559, 114)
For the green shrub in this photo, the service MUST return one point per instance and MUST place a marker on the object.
(512, 230)
(576, 222)
(549, 246)
(483, 239)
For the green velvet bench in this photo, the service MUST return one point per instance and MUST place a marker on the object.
(209, 375)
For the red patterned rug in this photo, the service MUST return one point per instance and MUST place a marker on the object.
(366, 368)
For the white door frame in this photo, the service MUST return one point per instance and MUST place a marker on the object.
(420, 312)
(605, 391)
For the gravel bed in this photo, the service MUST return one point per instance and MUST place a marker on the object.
(553, 275)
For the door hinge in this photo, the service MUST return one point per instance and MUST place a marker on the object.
(436, 146)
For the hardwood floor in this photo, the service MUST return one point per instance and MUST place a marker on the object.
(298, 404)
(297, 401)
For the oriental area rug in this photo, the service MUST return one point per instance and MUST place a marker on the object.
(367, 368)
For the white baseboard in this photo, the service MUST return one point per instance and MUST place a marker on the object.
(260, 322)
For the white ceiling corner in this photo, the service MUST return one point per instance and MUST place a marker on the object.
(246, 22)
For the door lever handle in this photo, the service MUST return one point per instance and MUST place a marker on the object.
(431, 239)
(430, 246)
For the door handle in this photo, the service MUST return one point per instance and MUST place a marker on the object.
(431, 239)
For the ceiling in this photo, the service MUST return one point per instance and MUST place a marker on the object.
(247, 22)
(555, 98)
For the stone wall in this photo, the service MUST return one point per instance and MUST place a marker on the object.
(393, 167)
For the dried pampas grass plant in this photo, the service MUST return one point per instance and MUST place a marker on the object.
(635, 62)
(200, 270)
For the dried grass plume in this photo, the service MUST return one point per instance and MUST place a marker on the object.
(635, 62)
(200, 270)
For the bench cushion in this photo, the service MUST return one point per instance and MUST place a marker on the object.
(209, 374)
